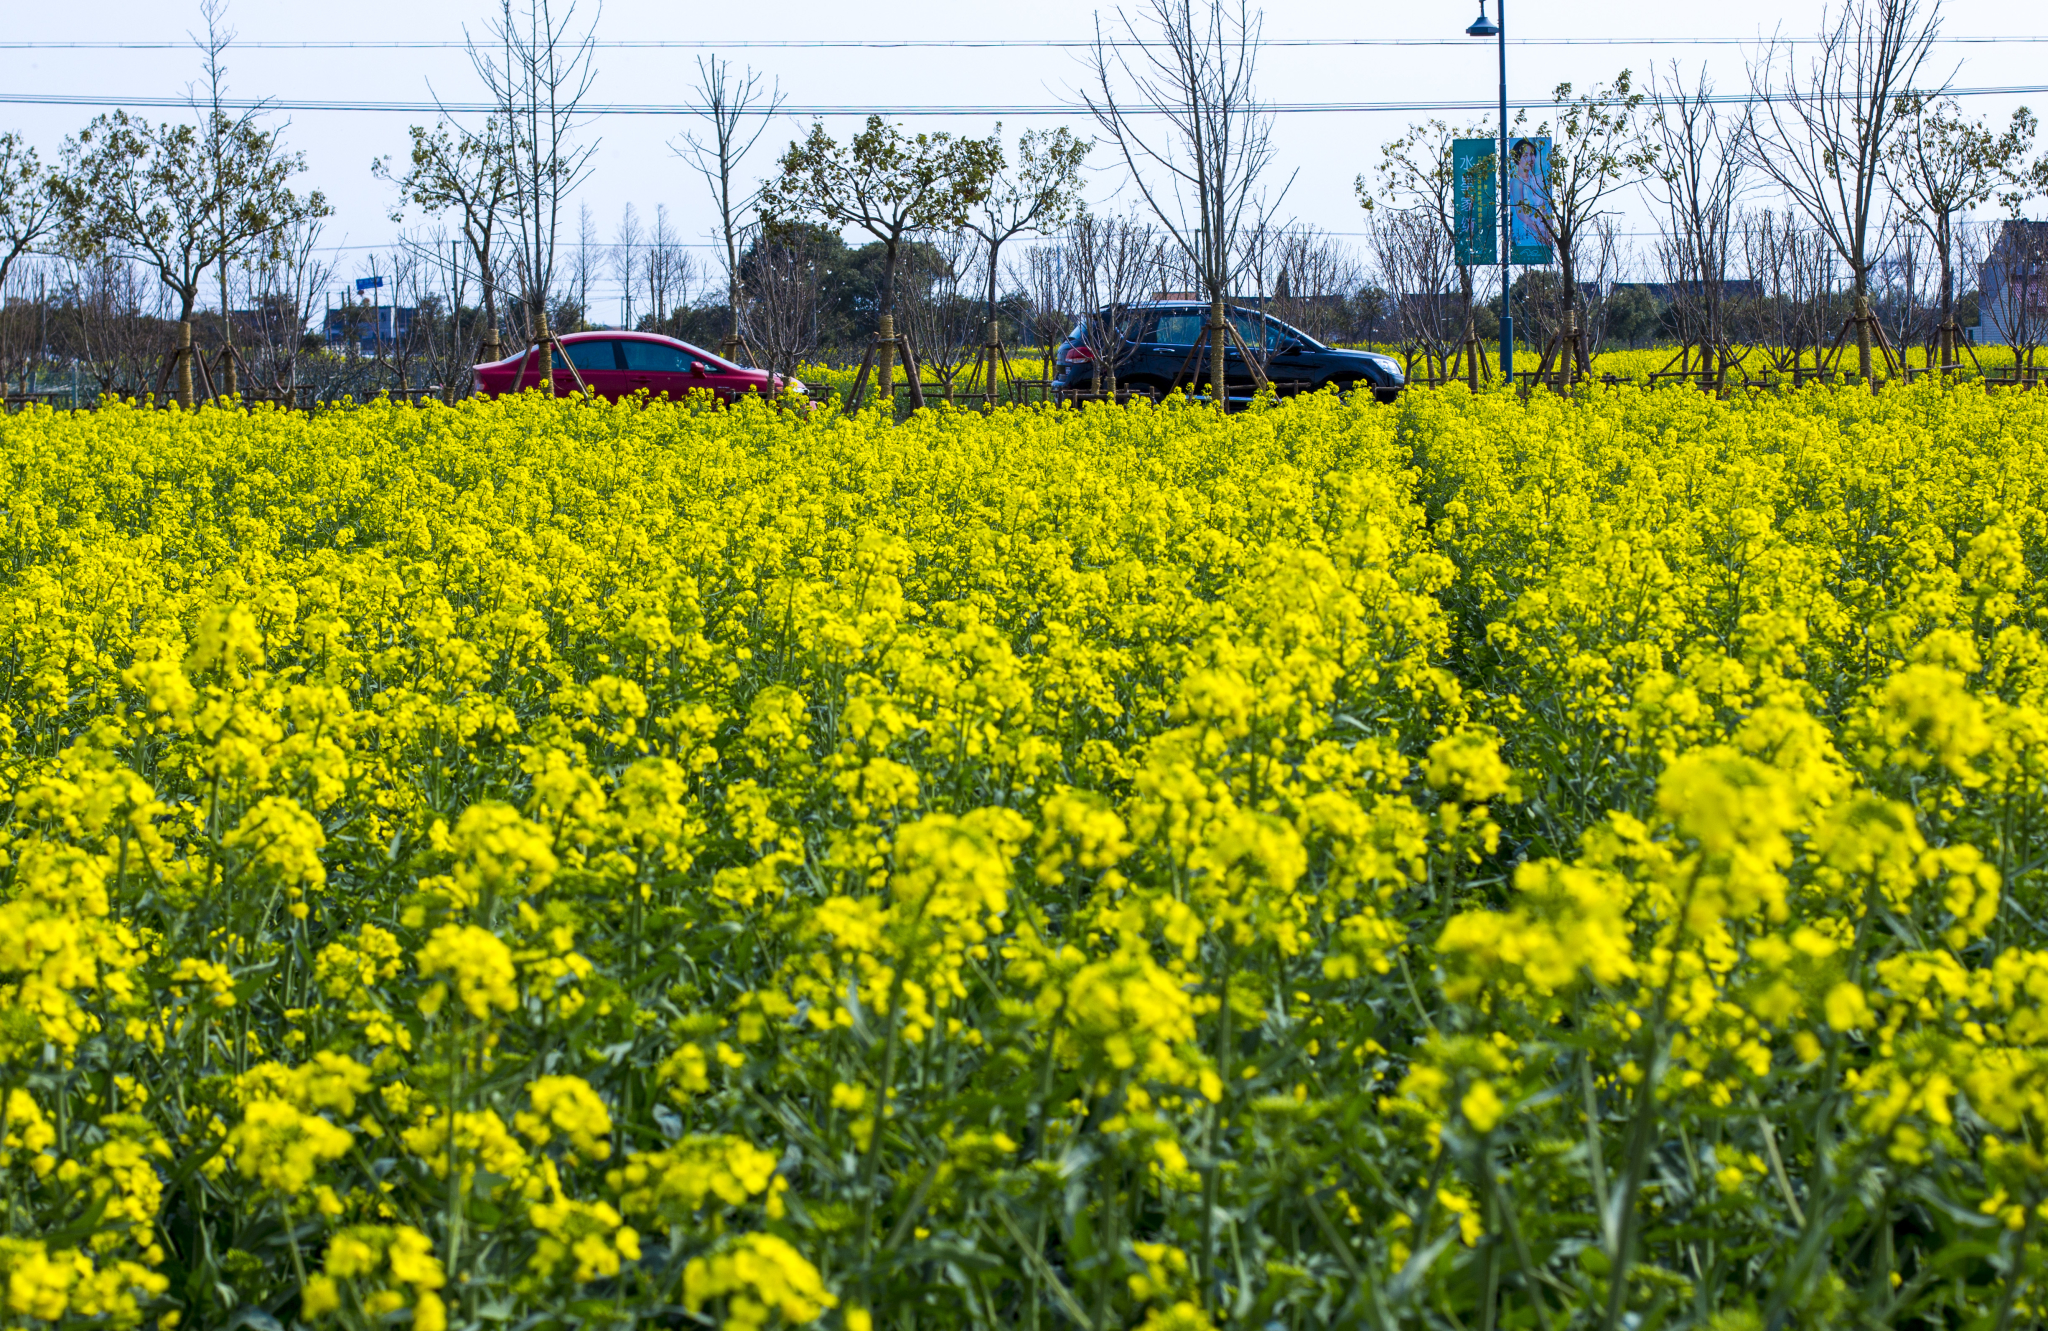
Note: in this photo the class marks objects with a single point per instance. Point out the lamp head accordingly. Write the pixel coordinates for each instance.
(1483, 26)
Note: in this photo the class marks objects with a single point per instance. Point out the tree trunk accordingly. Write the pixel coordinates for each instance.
(1862, 316)
(885, 348)
(184, 355)
(493, 349)
(995, 333)
(227, 332)
(1944, 339)
(1569, 273)
(732, 293)
(993, 247)
(546, 353)
(1218, 386)
(885, 326)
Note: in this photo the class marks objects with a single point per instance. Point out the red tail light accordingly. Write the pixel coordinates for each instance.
(1078, 355)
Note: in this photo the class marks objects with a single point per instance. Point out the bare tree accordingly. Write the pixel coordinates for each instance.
(281, 283)
(665, 269)
(1789, 272)
(538, 69)
(1111, 261)
(1698, 179)
(1900, 298)
(1051, 290)
(246, 167)
(781, 282)
(626, 262)
(1824, 128)
(25, 306)
(1185, 118)
(938, 304)
(2014, 289)
(1416, 259)
(583, 261)
(728, 102)
(1315, 277)
(120, 320)
(403, 341)
(1942, 166)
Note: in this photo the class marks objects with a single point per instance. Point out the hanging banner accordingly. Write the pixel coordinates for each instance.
(1529, 200)
(1474, 167)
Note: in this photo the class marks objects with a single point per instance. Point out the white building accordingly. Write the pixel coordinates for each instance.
(2012, 288)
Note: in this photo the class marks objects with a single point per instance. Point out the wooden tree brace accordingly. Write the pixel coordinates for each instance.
(860, 380)
(912, 370)
(1251, 362)
(547, 349)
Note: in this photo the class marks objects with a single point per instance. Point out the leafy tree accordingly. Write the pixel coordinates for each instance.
(1632, 316)
(28, 205)
(1033, 197)
(179, 198)
(1944, 166)
(1598, 148)
(469, 174)
(886, 183)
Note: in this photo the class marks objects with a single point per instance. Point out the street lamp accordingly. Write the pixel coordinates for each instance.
(1486, 27)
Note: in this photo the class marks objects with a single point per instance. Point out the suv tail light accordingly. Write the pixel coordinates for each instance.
(1078, 354)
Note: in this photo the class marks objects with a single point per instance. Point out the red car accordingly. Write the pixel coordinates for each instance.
(619, 364)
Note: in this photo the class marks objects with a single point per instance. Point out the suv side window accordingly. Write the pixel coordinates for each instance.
(1252, 328)
(1179, 330)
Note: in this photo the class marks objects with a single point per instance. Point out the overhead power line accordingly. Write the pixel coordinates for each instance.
(687, 108)
(936, 43)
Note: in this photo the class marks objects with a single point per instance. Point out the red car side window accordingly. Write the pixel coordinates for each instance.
(591, 355)
(654, 358)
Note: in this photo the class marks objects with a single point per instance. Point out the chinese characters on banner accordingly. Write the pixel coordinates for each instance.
(1475, 169)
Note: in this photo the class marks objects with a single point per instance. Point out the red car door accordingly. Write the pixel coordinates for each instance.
(728, 381)
(660, 367)
(597, 363)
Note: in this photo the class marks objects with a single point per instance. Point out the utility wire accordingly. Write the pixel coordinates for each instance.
(848, 109)
(944, 43)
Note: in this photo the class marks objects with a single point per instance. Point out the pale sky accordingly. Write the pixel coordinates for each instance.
(1323, 150)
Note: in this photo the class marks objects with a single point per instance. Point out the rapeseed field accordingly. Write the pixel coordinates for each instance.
(1466, 863)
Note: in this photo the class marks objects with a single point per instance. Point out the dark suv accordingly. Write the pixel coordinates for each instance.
(1158, 335)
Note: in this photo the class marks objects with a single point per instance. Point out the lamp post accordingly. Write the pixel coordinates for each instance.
(1485, 27)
